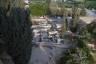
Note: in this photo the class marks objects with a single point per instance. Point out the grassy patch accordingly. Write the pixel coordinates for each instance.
(88, 3)
(79, 0)
(38, 9)
(91, 4)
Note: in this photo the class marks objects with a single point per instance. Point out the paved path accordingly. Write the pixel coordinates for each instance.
(90, 13)
(44, 53)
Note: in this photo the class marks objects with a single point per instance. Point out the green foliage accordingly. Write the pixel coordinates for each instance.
(79, 0)
(92, 28)
(15, 31)
(63, 27)
(55, 9)
(38, 9)
(78, 55)
(88, 31)
(67, 56)
(66, 4)
(75, 19)
(91, 4)
(83, 32)
(82, 45)
(88, 3)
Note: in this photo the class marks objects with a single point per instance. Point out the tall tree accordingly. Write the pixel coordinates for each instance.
(75, 17)
(15, 30)
(48, 6)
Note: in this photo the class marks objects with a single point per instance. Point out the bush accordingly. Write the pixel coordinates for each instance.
(89, 32)
(78, 55)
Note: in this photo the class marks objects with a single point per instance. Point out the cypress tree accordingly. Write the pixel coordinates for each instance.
(15, 30)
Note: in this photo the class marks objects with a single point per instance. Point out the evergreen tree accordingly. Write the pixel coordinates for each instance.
(75, 18)
(15, 28)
